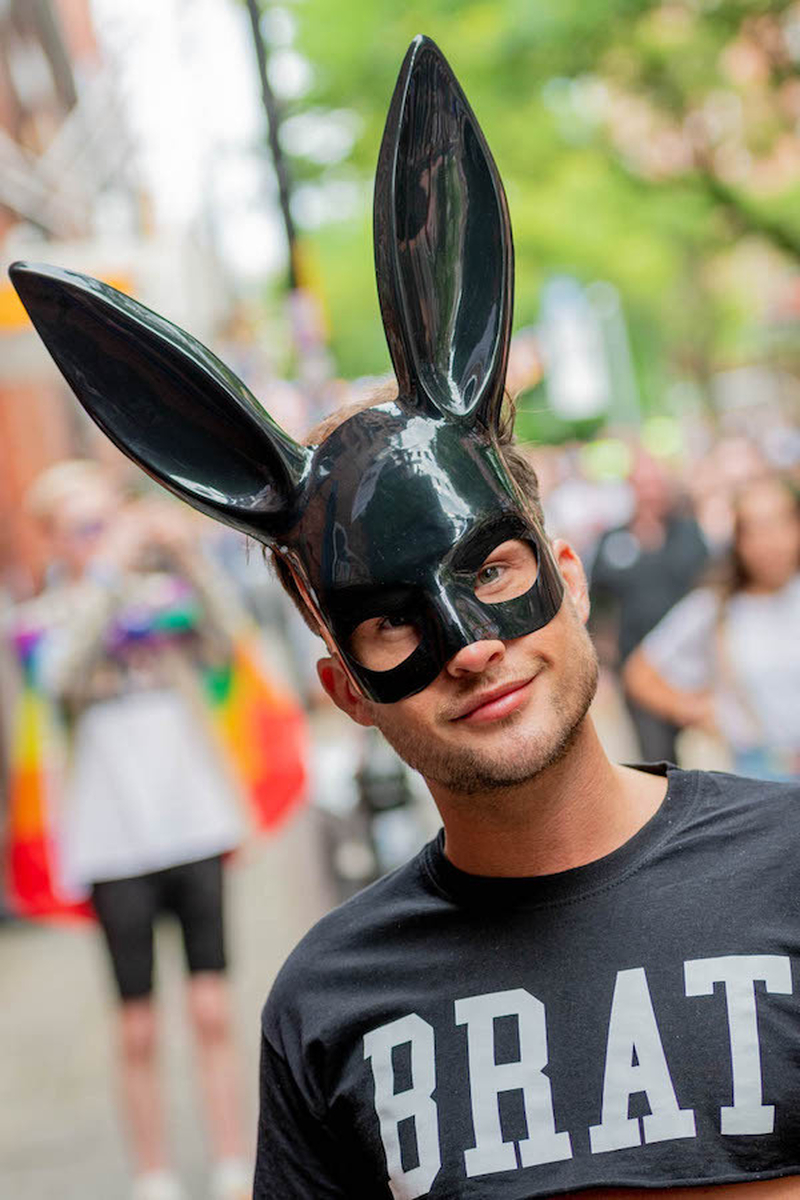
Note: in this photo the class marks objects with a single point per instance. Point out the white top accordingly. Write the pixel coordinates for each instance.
(749, 656)
(146, 786)
(145, 791)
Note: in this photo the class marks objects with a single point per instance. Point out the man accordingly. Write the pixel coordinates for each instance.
(586, 981)
(640, 570)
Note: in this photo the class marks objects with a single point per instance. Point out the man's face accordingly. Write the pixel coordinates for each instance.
(499, 712)
(401, 513)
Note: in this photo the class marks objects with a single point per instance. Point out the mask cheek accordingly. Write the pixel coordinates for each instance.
(412, 676)
(439, 638)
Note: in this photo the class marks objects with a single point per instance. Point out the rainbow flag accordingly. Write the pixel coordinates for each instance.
(35, 771)
(263, 732)
(259, 725)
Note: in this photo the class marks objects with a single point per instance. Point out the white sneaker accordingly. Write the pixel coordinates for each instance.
(231, 1179)
(157, 1185)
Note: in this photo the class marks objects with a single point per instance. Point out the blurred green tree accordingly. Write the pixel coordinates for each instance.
(653, 145)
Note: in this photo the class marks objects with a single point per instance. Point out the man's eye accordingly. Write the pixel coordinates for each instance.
(381, 643)
(509, 572)
(490, 573)
(395, 622)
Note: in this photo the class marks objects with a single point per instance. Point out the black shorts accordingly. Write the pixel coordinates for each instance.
(127, 911)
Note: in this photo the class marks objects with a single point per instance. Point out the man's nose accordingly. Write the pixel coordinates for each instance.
(476, 657)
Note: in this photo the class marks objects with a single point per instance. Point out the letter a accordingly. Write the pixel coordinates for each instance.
(633, 1030)
(415, 1102)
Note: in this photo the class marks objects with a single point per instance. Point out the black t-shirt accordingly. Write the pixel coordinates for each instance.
(630, 1022)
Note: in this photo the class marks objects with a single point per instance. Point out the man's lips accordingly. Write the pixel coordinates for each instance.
(495, 703)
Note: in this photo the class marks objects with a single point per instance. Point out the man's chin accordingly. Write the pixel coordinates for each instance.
(476, 772)
(470, 768)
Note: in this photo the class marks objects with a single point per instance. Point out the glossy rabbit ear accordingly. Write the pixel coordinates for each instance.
(166, 401)
(443, 250)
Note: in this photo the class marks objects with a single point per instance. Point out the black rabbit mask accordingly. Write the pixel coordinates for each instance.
(391, 517)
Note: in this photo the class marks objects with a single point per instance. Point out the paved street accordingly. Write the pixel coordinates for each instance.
(59, 1134)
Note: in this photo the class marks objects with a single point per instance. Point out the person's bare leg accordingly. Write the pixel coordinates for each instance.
(141, 1090)
(209, 1010)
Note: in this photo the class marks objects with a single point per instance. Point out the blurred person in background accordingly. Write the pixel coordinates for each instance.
(130, 608)
(639, 571)
(714, 481)
(726, 658)
(577, 507)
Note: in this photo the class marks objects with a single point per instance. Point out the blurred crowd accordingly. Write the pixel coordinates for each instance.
(714, 517)
(694, 568)
(693, 560)
(692, 549)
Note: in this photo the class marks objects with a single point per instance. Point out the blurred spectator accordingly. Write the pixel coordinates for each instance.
(577, 507)
(130, 610)
(639, 571)
(727, 658)
(714, 482)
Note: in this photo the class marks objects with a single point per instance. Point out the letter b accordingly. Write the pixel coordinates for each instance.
(414, 1102)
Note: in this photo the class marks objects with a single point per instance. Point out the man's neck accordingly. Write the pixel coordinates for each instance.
(574, 812)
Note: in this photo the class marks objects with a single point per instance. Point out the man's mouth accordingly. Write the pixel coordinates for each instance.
(496, 702)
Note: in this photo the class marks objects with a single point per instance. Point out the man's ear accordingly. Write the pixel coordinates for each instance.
(574, 577)
(336, 682)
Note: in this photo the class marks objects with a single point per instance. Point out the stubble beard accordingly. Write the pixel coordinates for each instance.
(467, 770)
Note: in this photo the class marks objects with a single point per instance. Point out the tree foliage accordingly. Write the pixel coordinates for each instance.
(642, 143)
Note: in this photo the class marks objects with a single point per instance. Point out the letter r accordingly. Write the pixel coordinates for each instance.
(488, 1078)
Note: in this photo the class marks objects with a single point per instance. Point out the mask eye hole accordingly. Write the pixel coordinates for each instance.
(381, 643)
(509, 571)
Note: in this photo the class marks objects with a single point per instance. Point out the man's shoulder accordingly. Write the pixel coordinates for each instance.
(758, 806)
(722, 817)
(364, 911)
(747, 790)
(348, 938)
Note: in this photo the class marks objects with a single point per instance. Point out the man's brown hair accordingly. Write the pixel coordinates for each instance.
(517, 464)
